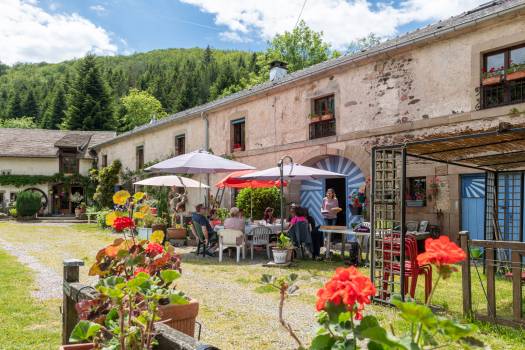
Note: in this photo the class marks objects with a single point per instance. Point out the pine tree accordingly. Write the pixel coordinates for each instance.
(90, 104)
(14, 105)
(55, 113)
(30, 108)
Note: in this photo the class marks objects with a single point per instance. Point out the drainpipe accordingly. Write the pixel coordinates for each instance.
(204, 116)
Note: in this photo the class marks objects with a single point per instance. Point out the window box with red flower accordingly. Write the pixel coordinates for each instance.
(515, 72)
(237, 147)
(492, 76)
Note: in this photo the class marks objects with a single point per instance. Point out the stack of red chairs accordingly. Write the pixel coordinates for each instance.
(392, 252)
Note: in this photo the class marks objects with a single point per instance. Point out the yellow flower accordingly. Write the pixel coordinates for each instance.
(157, 237)
(121, 197)
(145, 209)
(138, 215)
(110, 218)
(138, 196)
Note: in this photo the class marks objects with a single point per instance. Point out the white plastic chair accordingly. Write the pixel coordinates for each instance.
(232, 239)
(260, 236)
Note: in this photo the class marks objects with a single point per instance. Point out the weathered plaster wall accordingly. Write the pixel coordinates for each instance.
(30, 166)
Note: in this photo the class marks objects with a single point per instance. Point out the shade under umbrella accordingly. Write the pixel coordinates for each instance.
(198, 162)
(295, 172)
(171, 181)
(234, 180)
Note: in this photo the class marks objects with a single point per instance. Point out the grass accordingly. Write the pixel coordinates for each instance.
(25, 322)
(236, 311)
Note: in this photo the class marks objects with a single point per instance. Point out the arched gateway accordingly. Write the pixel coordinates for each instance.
(312, 191)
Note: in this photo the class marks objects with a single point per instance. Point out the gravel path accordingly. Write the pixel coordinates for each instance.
(49, 283)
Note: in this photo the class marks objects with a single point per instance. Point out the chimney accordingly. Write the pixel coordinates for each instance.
(277, 70)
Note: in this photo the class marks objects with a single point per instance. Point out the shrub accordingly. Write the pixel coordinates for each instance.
(101, 217)
(262, 198)
(106, 179)
(13, 212)
(28, 203)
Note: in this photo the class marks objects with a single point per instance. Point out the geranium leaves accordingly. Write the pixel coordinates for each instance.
(84, 331)
(169, 276)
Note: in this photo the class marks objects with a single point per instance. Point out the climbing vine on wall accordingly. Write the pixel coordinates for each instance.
(30, 180)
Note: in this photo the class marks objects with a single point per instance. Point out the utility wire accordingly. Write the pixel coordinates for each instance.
(300, 14)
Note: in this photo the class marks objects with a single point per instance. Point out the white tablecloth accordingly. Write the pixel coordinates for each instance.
(274, 227)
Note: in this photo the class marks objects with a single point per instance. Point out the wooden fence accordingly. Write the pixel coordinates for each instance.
(496, 254)
(168, 338)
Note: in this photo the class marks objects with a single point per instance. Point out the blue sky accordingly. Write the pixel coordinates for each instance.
(56, 30)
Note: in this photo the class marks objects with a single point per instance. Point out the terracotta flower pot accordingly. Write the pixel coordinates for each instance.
(327, 117)
(176, 233)
(87, 346)
(496, 79)
(180, 317)
(315, 119)
(516, 75)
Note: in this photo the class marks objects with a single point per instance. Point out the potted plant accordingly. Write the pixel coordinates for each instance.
(282, 252)
(516, 71)
(491, 77)
(177, 231)
(357, 201)
(144, 230)
(314, 118)
(133, 307)
(159, 224)
(76, 199)
(237, 147)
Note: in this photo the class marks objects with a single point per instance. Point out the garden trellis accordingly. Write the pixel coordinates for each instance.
(500, 154)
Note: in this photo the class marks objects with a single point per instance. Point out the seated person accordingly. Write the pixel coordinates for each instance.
(298, 215)
(235, 221)
(214, 218)
(268, 216)
(199, 216)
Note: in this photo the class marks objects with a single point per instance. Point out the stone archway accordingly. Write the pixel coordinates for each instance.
(44, 199)
(312, 191)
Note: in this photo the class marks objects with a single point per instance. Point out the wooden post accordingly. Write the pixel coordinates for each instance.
(466, 282)
(516, 285)
(491, 283)
(69, 314)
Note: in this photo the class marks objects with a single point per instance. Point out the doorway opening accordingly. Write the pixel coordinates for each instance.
(339, 187)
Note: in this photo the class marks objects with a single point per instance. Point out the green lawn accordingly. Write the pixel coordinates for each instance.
(236, 311)
(25, 323)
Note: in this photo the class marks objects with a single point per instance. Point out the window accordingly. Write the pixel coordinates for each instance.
(416, 192)
(104, 160)
(324, 105)
(238, 135)
(322, 118)
(2, 198)
(503, 77)
(68, 163)
(139, 154)
(180, 144)
(12, 196)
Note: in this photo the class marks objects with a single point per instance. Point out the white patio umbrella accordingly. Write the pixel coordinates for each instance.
(198, 162)
(171, 181)
(290, 172)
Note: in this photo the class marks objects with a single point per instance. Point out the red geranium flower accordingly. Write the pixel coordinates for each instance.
(442, 253)
(349, 287)
(154, 249)
(122, 223)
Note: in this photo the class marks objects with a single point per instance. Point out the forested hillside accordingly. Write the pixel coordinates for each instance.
(178, 78)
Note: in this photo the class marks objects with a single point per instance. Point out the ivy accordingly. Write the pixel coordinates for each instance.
(31, 180)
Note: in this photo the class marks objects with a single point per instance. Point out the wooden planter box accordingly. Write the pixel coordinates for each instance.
(180, 317)
(516, 75)
(176, 233)
(87, 346)
(327, 117)
(496, 79)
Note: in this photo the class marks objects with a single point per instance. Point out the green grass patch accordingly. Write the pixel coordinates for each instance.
(26, 323)
(265, 289)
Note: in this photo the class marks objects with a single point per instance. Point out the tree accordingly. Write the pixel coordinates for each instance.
(55, 113)
(257, 200)
(20, 123)
(105, 180)
(30, 108)
(14, 105)
(364, 43)
(139, 108)
(90, 104)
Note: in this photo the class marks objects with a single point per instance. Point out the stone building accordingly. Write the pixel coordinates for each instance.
(50, 162)
(426, 83)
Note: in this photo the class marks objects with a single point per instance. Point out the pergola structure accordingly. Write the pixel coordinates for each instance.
(495, 152)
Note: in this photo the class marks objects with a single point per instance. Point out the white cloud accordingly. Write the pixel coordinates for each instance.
(30, 34)
(341, 20)
(234, 37)
(98, 9)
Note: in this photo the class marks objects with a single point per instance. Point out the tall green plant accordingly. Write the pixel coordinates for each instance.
(28, 203)
(261, 198)
(106, 179)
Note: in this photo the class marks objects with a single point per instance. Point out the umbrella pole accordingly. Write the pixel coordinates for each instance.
(251, 205)
(281, 178)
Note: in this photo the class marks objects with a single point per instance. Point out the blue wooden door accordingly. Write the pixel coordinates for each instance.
(473, 205)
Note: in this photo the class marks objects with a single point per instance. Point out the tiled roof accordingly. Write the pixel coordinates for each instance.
(481, 13)
(43, 143)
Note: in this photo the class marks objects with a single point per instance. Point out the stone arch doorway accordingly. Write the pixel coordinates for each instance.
(312, 191)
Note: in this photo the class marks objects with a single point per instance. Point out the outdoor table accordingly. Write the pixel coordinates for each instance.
(276, 228)
(344, 232)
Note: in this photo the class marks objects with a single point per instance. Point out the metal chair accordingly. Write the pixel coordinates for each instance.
(196, 230)
(260, 236)
(232, 239)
